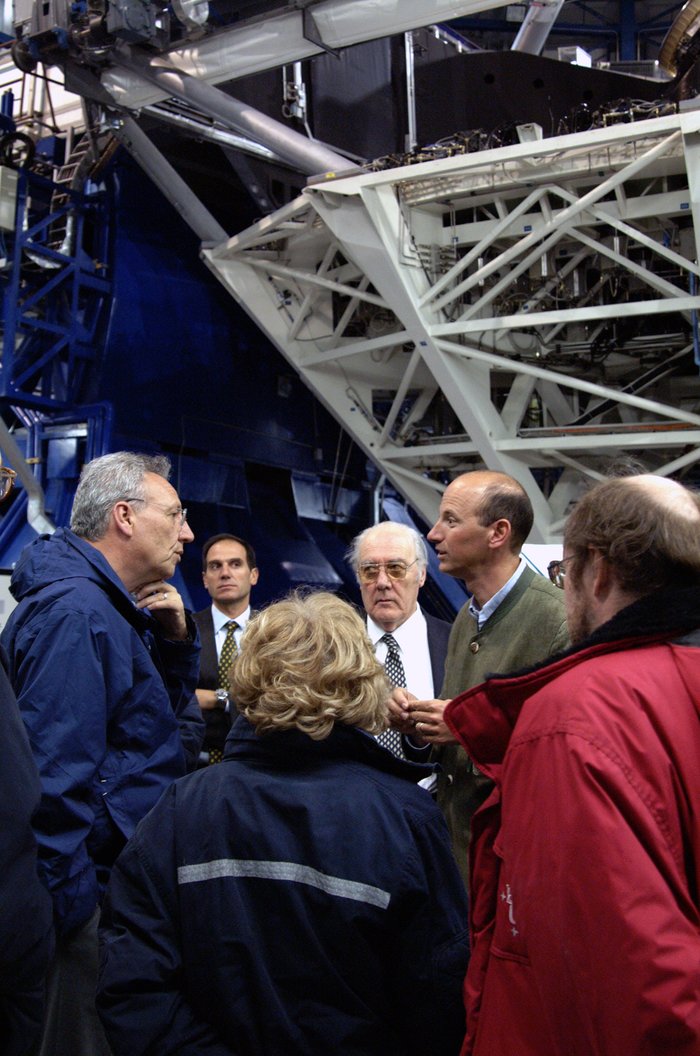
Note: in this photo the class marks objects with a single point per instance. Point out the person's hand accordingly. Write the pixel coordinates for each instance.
(399, 718)
(206, 698)
(166, 606)
(427, 719)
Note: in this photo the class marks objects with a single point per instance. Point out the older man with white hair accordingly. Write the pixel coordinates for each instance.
(390, 561)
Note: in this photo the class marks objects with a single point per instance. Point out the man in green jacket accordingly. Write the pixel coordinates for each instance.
(514, 619)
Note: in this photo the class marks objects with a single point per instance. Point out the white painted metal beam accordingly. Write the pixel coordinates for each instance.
(281, 38)
(522, 309)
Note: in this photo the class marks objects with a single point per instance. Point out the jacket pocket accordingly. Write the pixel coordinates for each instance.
(509, 938)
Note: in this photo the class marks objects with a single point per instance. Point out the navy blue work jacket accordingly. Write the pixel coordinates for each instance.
(299, 899)
(109, 707)
(26, 934)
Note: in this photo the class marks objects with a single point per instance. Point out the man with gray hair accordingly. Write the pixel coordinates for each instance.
(104, 663)
(390, 561)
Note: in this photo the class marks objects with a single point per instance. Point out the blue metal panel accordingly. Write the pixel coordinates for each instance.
(185, 366)
(628, 30)
(209, 482)
(324, 502)
(15, 533)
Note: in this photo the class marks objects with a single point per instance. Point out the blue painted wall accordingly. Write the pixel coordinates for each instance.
(188, 373)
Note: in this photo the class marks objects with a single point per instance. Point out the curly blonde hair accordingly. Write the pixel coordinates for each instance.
(308, 663)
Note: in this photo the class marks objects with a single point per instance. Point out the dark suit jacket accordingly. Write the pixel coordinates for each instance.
(218, 722)
(438, 637)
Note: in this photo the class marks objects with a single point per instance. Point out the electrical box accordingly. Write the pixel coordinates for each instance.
(8, 197)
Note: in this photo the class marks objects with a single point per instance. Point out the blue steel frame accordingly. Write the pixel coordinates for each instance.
(55, 301)
(56, 304)
(56, 446)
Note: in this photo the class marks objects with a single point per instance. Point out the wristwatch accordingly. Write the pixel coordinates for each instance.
(222, 699)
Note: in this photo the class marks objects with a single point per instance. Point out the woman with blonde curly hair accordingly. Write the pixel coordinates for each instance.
(301, 898)
(329, 674)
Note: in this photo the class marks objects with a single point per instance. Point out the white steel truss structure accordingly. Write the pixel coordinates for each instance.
(531, 309)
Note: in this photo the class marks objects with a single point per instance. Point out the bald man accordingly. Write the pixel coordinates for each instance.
(587, 921)
(514, 619)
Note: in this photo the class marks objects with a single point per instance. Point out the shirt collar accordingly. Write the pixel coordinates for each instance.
(481, 615)
(401, 634)
(220, 618)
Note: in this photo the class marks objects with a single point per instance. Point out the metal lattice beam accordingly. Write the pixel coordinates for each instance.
(532, 309)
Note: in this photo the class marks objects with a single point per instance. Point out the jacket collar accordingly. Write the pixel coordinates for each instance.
(102, 573)
(663, 615)
(292, 749)
(483, 718)
(511, 599)
(660, 615)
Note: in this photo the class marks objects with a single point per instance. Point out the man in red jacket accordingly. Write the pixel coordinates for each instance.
(585, 909)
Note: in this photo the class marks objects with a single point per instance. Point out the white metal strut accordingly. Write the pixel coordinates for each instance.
(531, 309)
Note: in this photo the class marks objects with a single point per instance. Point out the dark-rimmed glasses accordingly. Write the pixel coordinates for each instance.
(557, 571)
(369, 573)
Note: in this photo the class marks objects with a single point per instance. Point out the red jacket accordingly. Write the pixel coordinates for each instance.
(585, 860)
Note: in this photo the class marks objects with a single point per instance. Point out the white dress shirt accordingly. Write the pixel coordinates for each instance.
(412, 640)
(221, 619)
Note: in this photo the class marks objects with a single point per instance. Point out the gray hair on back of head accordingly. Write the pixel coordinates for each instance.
(104, 482)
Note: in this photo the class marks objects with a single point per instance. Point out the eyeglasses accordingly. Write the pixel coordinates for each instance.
(369, 573)
(177, 514)
(557, 572)
(7, 480)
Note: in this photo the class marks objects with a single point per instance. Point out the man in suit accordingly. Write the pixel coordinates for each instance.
(390, 561)
(229, 573)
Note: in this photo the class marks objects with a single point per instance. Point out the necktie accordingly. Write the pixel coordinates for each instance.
(391, 739)
(228, 652)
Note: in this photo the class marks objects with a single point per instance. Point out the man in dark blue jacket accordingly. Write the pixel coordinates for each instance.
(25, 907)
(26, 931)
(104, 662)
